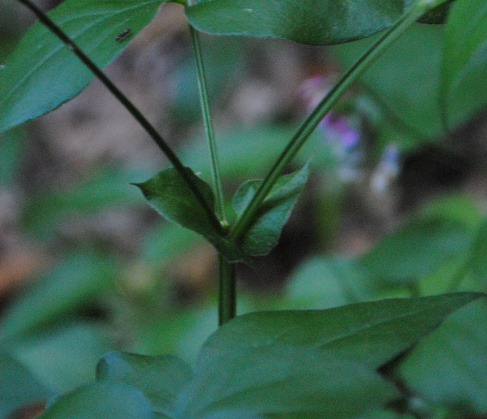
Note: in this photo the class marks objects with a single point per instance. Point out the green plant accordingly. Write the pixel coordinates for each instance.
(280, 363)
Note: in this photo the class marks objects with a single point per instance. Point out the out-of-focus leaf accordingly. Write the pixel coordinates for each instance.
(18, 386)
(106, 189)
(70, 286)
(64, 358)
(11, 147)
(478, 260)
(160, 378)
(104, 399)
(42, 74)
(264, 232)
(325, 283)
(372, 333)
(166, 242)
(171, 197)
(315, 22)
(449, 367)
(464, 67)
(281, 379)
(416, 250)
(406, 79)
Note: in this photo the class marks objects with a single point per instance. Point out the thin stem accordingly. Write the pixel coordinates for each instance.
(146, 125)
(208, 123)
(312, 121)
(227, 306)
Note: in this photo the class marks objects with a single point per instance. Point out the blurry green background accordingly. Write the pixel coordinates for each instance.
(87, 267)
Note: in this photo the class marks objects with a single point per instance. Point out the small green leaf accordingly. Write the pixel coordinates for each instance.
(18, 387)
(315, 22)
(42, 73)
(76, 281)
(105, 400)
(172, 198)
(160, 378)
(264, 233)
(281, 379)
(464, 67)
(449, 367)
(371, 333)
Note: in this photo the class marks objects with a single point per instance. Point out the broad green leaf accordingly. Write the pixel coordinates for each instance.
(171, 197)
(406, 78)
(464, 67)
(315, 22)
(42, 74)
(64, 358)
(323, 283)
(107, 400)
(264, 233)
(160, 378)
(108, 188)
(449, 367)
(18, 386)
(416, 250)
(77, 280)
(371, 333)
(281, 379)
(478, 261)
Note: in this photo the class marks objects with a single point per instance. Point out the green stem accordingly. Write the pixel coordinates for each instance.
(228, 294)
(146, 125)
(208, 123)
(303, 133)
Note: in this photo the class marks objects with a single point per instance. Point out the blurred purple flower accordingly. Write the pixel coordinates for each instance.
(337, 130)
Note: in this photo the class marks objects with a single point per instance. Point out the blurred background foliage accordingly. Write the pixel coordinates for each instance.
(86, 267)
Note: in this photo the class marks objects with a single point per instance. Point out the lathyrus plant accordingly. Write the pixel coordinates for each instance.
(326, 363)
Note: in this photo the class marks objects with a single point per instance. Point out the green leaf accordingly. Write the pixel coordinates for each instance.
(371, 333)
(18, 386)
(160, 378)
(171, 197)
(406, 78)
(416, 250)
(73, 283)
(464, 67)
(321, 283)
(42, 73)
(281, 379)
(107, 188)
(449, 367)
(264, 233)
(478, 261)
(64, 358)
(315, 22)
(106, 400)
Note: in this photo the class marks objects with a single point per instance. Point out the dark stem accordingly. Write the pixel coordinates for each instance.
(146, 125)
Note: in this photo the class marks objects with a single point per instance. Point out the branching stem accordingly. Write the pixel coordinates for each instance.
(146, 125)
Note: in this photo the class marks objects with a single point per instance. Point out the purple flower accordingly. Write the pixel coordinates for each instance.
(337, 130)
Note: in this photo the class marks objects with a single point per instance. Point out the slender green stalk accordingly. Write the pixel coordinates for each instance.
(227, 299)
(146, 125)
(303, 133)
(208, 123)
